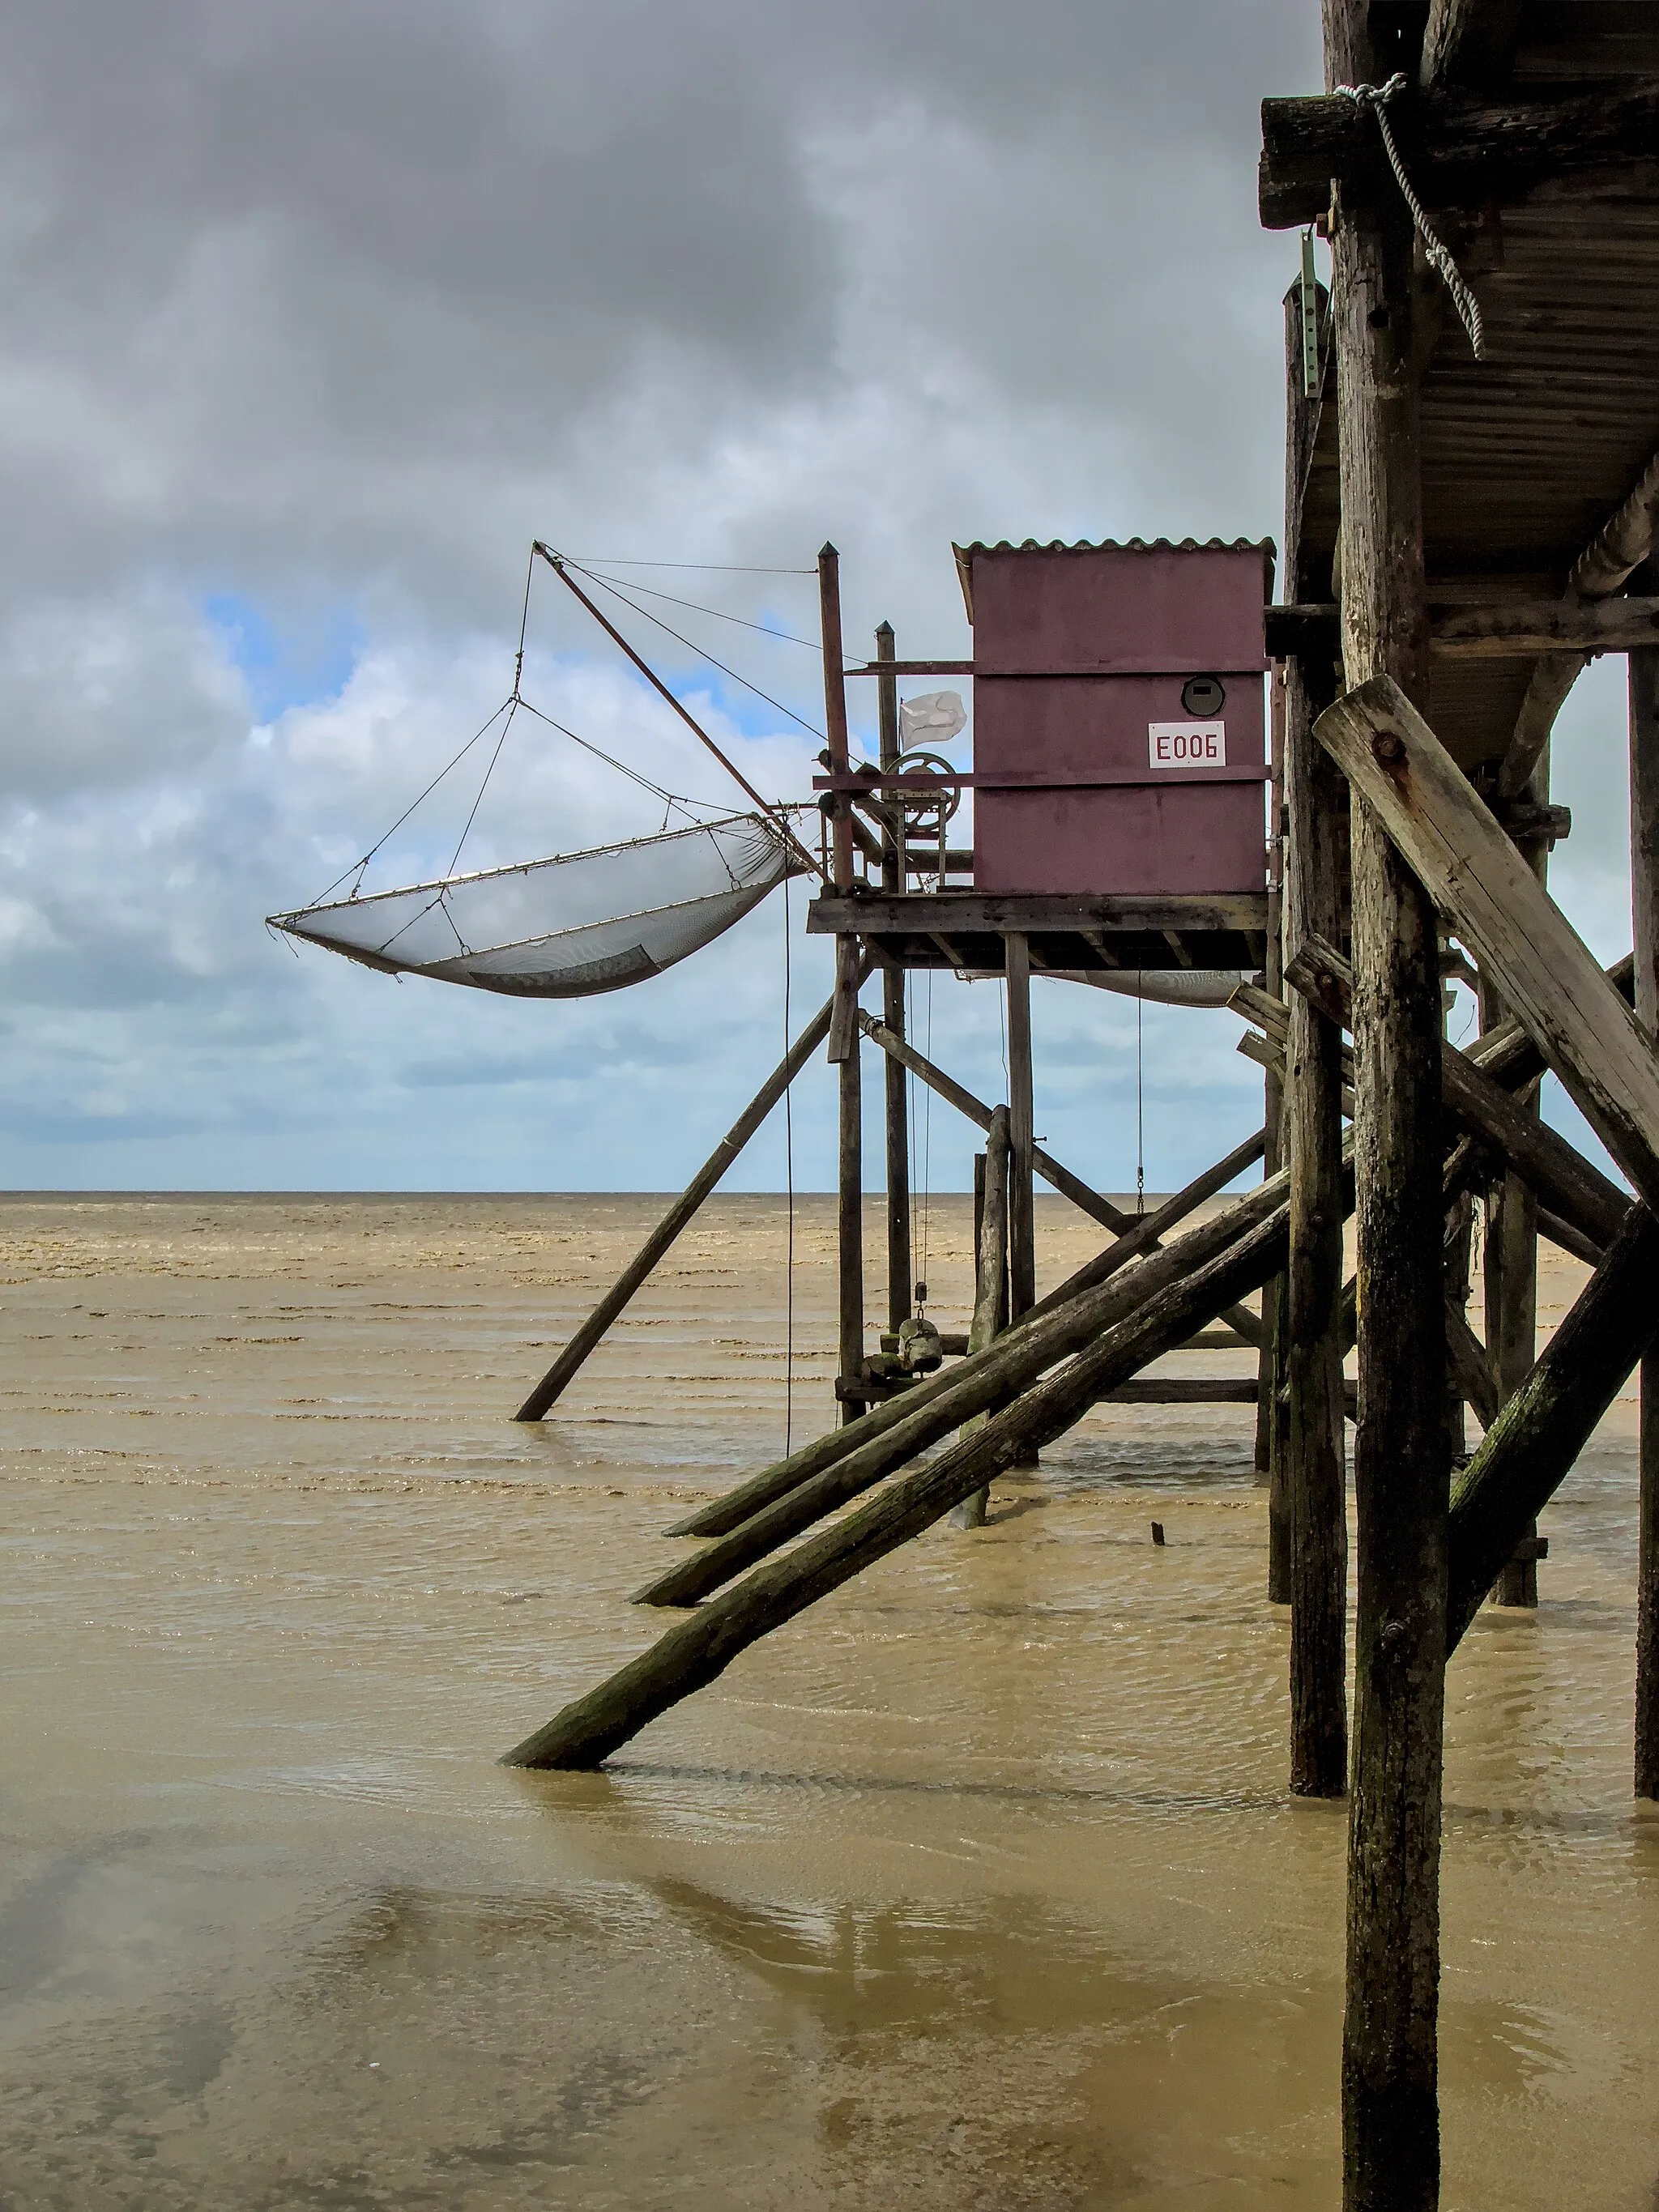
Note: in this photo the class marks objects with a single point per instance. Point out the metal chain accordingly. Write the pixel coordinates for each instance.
(1376, 98)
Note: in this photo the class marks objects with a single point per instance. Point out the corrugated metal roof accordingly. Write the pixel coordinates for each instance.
(965, 553)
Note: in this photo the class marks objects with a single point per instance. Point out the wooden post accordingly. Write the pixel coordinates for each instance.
(1272, 1407)
(1390, 2111)
(844, 1040)
(707, 1176)
(899, 1283)
(1022, 1220)
(990, 1275)
(1316, 1453)
(1645, 902)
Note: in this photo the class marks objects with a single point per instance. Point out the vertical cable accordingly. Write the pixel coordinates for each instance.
(789, 1185)
(1140, 1117)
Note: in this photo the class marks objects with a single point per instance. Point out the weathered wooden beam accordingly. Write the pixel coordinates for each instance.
(1645, 904)
(696, 1651)
(1504, 629)
(1573, 1187)
(1390, 2115)
(850, 1212)
(1606, 563)
(1471, 1369)
(1468, 42)
(1531, 1445)
(560, 1374)
(1538, 626)
(966, 912)
(1437, 821)
(1458, 152)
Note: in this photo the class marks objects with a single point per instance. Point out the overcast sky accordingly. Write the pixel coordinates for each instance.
(316, 314)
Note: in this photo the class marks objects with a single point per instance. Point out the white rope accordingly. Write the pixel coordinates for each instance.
(1376, 98)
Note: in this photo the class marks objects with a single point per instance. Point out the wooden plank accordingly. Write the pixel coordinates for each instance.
(1458, 152)
(1531, 626)
(1578, 1022)
(963, 913)
(698, 1649)
(1468, 42)
(571, 1358)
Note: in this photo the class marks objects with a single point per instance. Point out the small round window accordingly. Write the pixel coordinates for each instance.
(1203, 695)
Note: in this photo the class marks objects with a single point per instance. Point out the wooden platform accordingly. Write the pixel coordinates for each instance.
(967, 929)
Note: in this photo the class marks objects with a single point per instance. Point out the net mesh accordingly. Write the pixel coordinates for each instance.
(564, 927)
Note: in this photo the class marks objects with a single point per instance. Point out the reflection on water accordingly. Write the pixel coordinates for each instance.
(974, 1887)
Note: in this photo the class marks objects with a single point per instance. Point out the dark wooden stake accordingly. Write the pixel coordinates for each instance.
(1390, 2109)
(1644, 901)
(899, 1281)
(560, 1374)
(990, 1275)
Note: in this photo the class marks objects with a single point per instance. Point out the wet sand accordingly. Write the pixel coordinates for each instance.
(976, 1886)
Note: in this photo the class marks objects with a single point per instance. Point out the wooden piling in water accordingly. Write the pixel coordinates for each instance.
(1390, 2111)
(900, 1285)
(843, 1026)
(990, 1276)
(1645, 902)
(1022, 1217)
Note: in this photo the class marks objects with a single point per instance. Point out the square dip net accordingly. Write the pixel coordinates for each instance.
(568, 926)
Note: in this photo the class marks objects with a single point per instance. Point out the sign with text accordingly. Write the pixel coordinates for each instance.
(1187, 745)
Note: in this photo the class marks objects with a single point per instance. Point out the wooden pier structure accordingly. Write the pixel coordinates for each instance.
(1471, 501)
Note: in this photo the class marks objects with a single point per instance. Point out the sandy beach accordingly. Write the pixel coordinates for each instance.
(977, 1886)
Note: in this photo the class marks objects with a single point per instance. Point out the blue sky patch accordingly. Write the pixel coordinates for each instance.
(294, 662)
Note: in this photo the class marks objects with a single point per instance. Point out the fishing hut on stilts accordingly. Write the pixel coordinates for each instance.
(1472, 503)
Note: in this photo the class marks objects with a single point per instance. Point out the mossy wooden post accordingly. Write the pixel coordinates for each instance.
(1316, 1454)
(1272, 1407)
(892, 1009)
(1390, 2108)
(1645, 902)
(990, 1275)
(844, 1035)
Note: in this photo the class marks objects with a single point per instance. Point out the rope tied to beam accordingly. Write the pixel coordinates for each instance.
(1376, 97)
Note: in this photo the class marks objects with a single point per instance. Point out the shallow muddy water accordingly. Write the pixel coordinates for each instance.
(975, 1888)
